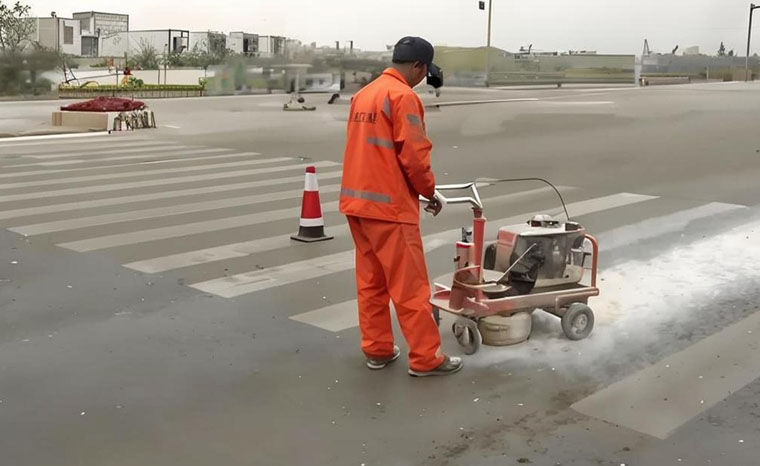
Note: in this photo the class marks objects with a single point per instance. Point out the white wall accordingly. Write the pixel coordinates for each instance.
(131, 42)
(235, 43)
(47, 28)
(76, 47)
(199, 40)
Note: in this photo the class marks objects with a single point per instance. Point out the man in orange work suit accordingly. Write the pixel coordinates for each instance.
(386, 168)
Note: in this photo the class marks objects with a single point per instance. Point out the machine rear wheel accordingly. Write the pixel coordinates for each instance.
(467, 334)
(578, 321)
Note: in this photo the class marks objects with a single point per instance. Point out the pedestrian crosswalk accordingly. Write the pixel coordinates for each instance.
(163, 207)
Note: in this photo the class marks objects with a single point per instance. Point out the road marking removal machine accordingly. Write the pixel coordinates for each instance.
(537, 265)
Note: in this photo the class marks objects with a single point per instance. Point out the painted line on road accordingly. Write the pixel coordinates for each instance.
(166, 182)
(246, 248)
(342, 316)
(659, 399)
(55, 137)
(132, 164)
(170, 154)
(220, 253)
(658, 226)
(580, 103)
(479, 102)
(92, 149)
(177, 231)
(333, 318)
(166, 171)
(80, 205)
(107, 219)
(257, 280)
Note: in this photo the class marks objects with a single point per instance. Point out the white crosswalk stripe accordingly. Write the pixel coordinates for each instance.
(91, 199)
(166, 171)
(344, 315)
(57, 139)
(177, 231)
(162, 182)
(221, 253)
(44, 153)
(82, 222)
(181, 193)
(174, 261)
(121, 165)
(257, 280)
(180, 153)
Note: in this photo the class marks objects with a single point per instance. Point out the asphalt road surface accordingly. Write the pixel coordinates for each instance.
(153, 310)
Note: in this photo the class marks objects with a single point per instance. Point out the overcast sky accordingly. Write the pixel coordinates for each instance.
(608, 26)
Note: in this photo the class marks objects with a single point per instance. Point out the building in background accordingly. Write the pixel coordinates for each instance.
(59, 34)
(272, 46)
(133, 42)
(208, 42)
(95, 25)
(243, 43)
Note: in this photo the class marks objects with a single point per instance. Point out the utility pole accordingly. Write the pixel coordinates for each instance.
(752, 8)
(488, 46)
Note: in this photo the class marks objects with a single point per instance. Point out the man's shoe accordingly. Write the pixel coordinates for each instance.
(380, 363)
(448, 366)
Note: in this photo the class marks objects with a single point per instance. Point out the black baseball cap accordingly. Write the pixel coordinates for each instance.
(411, 49)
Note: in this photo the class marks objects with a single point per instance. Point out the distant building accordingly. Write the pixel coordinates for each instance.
(208, 42)
(95, 25)
(243, 43)
(132, 42)
(691, 51)
(272, 46)
(59, 34)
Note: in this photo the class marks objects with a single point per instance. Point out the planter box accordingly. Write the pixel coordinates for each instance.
(86, 120)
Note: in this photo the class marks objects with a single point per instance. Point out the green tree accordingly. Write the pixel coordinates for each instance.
(16, 28)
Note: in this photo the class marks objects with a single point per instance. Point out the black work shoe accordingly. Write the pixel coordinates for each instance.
(448, 366)
(379, 363)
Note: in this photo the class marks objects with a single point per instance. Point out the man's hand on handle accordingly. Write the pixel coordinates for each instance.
(436, 204)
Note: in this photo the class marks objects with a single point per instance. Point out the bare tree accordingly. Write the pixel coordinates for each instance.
(16, 28)
(146, 57)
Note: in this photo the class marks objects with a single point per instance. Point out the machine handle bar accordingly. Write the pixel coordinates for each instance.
(473, 200)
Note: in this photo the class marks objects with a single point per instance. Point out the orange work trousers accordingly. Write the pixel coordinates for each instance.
(390, 265)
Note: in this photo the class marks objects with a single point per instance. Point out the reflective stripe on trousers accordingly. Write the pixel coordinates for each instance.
(366, 195)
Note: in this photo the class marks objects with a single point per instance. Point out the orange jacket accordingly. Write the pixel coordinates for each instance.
(387, 161)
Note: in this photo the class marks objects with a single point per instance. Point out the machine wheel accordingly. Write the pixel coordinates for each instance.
(578, 321)
(467, 334)
(437, 316)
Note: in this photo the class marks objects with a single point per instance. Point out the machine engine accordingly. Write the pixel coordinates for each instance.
(555, 254)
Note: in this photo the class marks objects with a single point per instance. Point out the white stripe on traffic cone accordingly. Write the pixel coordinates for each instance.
(311, 226)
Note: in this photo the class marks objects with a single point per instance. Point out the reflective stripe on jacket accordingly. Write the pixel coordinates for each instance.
(386, 165)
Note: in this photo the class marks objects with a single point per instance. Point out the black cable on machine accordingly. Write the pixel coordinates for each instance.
(510, 180)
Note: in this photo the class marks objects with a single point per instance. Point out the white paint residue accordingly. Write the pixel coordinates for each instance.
(638, 296)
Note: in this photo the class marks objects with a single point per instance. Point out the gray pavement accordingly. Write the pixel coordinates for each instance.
(148, 287)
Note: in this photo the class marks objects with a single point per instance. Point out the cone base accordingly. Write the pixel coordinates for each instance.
(306, 239)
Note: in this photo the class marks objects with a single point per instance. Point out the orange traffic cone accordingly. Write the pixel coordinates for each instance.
(311, 227)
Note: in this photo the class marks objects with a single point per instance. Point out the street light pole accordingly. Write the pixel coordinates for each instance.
(488, 46)
(752, 8)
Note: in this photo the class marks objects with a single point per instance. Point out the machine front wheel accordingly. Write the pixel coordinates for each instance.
(578, 321)
(467, 334)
